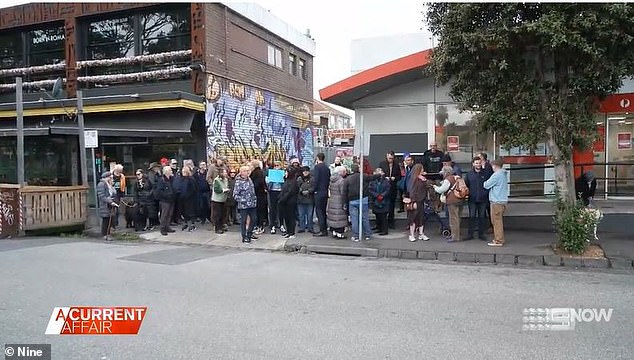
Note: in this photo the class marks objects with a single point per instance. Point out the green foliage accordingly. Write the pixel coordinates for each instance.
(533, 71)
(126, 236)
(574, 225)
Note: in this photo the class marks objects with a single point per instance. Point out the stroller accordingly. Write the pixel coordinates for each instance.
(432, 207)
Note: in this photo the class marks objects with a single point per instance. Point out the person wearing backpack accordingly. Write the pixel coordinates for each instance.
(452, 199)
(478, 199)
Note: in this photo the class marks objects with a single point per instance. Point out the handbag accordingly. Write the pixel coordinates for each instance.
(409, 205)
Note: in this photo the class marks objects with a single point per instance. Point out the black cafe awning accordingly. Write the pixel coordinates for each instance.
(146, 124)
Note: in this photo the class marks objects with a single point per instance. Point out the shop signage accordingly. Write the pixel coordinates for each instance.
(624, 141)
(91, 139)
(453, 143)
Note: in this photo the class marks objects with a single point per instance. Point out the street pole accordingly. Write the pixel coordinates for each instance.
(361, 138)
(20, 129)
(82, 140)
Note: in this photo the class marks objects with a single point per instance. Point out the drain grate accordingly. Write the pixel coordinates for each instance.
(177, 256)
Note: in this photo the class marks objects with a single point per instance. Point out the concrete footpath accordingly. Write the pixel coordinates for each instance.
(523, 247)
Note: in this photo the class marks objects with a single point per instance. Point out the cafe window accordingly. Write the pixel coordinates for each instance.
(164, 31)
(46, 46)
(111, 38)
(11, 50)
(458, 134)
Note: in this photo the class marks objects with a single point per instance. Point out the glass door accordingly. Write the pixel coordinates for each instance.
(620, 154)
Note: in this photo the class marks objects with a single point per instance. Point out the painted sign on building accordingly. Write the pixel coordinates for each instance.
(246, 123)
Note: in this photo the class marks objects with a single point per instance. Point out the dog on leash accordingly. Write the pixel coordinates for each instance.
(596, 215)
(130, 212)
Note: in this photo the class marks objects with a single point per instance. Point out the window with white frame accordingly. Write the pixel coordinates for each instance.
(275, 56)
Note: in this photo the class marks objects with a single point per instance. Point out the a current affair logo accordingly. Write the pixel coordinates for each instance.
(96, 320)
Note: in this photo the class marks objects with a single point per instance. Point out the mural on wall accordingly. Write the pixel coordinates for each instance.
(246, 123)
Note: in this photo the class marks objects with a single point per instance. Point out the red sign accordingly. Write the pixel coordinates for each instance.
(618, 103)
(453, 143)
(624, 141)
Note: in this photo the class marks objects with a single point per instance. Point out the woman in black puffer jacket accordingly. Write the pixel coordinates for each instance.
(187, 197)
(144, 200)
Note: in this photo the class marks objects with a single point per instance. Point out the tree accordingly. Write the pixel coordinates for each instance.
(534, 71)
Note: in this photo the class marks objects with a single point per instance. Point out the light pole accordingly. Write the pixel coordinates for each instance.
(20, 129)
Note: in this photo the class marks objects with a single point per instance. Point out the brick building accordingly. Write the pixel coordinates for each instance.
(175, 80)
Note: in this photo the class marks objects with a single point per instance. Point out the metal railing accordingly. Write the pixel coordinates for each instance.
(533, 180)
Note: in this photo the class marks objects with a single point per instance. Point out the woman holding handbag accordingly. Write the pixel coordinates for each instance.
(417, 189)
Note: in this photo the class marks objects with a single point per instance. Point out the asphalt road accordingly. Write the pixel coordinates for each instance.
(224, 304)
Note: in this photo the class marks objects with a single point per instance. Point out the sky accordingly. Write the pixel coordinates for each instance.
(335, 23)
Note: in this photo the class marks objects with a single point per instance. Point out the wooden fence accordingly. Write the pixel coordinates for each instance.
(53, 206)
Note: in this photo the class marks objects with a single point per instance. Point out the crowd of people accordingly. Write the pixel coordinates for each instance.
(284, 199)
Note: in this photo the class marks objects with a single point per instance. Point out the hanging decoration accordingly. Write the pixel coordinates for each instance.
(31, 85)
(141, 59)
(138, 76)
(32, 70)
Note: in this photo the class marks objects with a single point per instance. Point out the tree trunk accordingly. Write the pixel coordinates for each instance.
(564, 170)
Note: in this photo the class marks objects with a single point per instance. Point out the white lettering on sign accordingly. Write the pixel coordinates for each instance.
(625, 103)
(47, 38)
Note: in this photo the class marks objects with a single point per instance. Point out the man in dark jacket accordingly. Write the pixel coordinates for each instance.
(478, 199)
(321, 181)
(393, 173)
(166, 196)
(585, 187)
(305, 202)
(432, 162)
(259, 183)
(204, 212)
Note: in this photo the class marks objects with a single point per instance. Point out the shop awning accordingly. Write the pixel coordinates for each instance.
(146, 124)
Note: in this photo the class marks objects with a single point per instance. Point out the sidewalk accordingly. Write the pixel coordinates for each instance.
(521, 248)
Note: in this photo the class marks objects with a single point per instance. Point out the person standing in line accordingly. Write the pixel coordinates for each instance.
(451, 201)
(305, 202)
(259, 182)
(321, 178)
(275, 215)
(288, 201)
(478, 199)
(380, 200)
(334, 165)
(414, 203)
(144, 200)
(392, 172)
(498, 197)
(488, 171)
(119, 184)
(187, 198)
(220, 191)
(154, 175)
(106, 194)
(203, 193)
(337, 209)
(353, 195)
(231, 212)
(246, 202)
(408, 163)
(166, 196)
(176, 184)
(432, 162)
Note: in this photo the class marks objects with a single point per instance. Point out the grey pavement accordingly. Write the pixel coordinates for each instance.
(525, 247)
(216, 303)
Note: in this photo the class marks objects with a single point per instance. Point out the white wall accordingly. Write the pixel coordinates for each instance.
(414, 93)
(369, 52)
